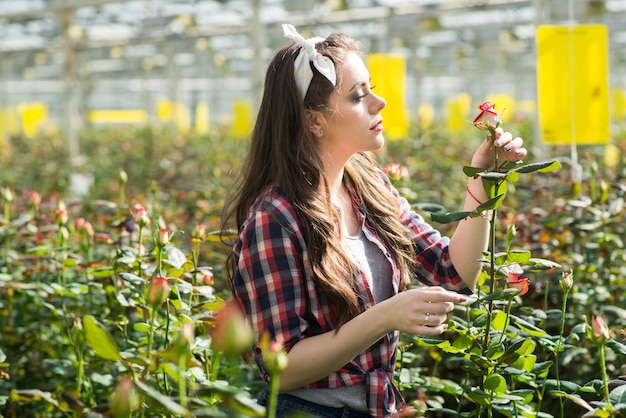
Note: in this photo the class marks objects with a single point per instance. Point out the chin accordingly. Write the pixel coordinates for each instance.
(380, 143)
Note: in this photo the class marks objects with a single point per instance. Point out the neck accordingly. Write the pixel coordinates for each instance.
(333, 171)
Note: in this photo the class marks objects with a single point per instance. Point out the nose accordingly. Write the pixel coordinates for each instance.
(378, 103)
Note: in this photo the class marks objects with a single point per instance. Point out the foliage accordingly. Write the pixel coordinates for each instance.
(82, 333)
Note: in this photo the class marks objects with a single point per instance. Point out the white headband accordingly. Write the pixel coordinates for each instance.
(308, 53)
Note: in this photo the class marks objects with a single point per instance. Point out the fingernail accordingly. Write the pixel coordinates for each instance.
(463, 300)
(508, 148)
(498, 142)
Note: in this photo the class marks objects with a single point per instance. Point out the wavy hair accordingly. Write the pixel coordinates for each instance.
(283, 153)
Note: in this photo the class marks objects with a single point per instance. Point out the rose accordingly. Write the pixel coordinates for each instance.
(566, 281)
(199, 233)
(274, 357)
(159, 290)
(123, 177)
(487, 118)
(232, 333)
(7, 194)
(84, 227)
(141, 216)
(207, 277)
(34, 199)
(164, 237)
(599, 330)
(517, 281)
(396, 172)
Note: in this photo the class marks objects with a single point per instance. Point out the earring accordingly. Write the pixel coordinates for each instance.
(320, 132)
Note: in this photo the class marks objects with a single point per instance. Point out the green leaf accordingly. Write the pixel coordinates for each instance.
(527, 395)
(492, 175)
(525, 362)
(32, 395)
(141, 327)
(502, 294)
(175, 257)
(100, 340)
(574, 398)
(518, 256)
(103, 272)
(472, 171)
(542, 167)
(449, 217)
(542, 369)
(428, 207)
(617, 347)
(492, 203)
(163, 400)
(512, 353)
(133, 278)
(476, 395)
(500, 321)
(618, 395)
(528, 327)
(540, 264)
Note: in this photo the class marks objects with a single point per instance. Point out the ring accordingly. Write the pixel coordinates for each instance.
(426, 318)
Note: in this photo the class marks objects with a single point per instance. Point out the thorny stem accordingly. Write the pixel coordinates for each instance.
(605, 380)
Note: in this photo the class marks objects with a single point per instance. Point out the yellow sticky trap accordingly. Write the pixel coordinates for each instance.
(164, 110)
(242, 123)
(425, 115)
(388, 73)
(202, 118)
(183, 119)
(612, 156)
(619, 103)
(572, 84)
(457, 110)
(32, 115)
(112, 116)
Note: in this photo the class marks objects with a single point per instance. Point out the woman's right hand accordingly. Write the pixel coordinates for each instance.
(422, 311)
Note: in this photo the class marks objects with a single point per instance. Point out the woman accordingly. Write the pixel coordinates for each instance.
(327, 248)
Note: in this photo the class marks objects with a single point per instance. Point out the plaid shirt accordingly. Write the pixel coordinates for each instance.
(274, 285)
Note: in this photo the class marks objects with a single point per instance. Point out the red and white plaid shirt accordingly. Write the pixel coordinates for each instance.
(275, 287)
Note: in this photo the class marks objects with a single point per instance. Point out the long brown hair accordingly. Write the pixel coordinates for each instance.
(283, 153)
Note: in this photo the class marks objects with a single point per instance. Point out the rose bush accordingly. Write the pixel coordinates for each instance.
(80, 335)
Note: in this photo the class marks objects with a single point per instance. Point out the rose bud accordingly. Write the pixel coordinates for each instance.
(487, 118)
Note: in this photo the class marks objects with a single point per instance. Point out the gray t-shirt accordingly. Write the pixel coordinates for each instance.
(377, 270)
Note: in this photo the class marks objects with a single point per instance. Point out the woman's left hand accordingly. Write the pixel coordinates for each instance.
(509, 148)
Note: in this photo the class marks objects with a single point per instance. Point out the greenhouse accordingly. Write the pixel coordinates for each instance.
(134, 281)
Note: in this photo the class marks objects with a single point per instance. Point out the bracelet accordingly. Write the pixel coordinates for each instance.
(472, 195)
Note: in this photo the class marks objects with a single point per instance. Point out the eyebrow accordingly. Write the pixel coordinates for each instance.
(358, 83)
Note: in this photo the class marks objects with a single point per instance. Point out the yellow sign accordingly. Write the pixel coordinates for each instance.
(202, 118)
(619, 103)
(106, 116)
(32, 116)
(457, 109)
(388, 73)
(242, 122)
(572, 84)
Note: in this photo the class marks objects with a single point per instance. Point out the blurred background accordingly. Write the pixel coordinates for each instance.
(196, 66)
(67, 63)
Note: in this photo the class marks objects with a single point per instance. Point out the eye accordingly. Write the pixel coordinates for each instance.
(360, 97)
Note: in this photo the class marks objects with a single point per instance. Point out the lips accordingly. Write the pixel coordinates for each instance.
(377, 127)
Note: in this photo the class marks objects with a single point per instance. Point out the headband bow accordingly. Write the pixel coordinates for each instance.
(308, 53)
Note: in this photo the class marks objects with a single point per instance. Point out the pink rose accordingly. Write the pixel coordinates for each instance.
(599, 330)
(487, 118)
(517, 281)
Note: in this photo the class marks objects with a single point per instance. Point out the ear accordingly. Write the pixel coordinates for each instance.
(315, 123)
